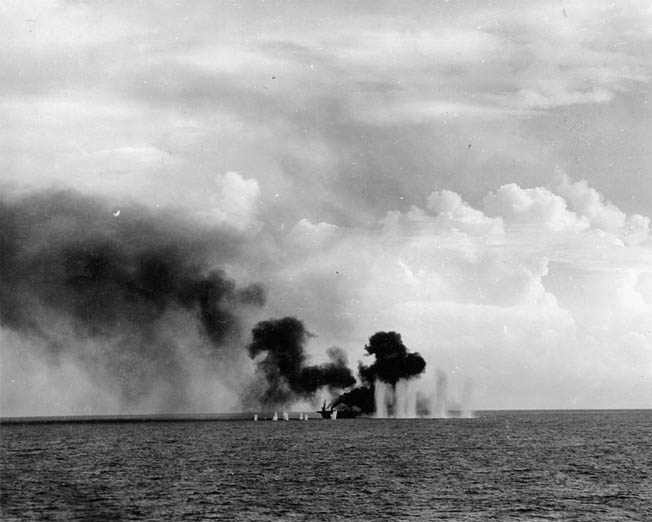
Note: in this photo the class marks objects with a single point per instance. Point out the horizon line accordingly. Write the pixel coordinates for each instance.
(246, 415)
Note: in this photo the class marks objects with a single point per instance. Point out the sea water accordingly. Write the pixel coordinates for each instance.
(588, 466)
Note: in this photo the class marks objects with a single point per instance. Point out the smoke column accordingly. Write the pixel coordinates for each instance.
(283, 376)
(438, 409)
(394, 366)
(133, 298)
(393, 361)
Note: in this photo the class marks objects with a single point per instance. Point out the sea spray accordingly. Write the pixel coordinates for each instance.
(405, 399)
(438, 407)
(381, 392)
(392, 363)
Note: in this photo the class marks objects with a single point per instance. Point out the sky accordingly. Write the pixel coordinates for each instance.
(474, 175)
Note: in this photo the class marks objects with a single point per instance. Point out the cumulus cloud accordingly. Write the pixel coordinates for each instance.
(537, 317)
(601, 214)
(452, 211)
(234, 203)
(532, 301)
(311, 235)
(536, 206)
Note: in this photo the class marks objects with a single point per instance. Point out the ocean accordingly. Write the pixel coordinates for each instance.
(546, 465)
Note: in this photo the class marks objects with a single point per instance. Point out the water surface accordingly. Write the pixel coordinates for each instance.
(585, 466)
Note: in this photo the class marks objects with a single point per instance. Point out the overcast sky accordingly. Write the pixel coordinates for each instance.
(474, 175)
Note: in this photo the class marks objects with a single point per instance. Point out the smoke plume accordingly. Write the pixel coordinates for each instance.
(393, 363)
(283, 371)
(393, 360)
(110, 286)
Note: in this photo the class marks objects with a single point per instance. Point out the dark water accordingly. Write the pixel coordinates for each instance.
(589, 466)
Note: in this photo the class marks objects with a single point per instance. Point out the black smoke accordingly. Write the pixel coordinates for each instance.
(360, 399)
(73, 269)
(285, 377)
(393, 361)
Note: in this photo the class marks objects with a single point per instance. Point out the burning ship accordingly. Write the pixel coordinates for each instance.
(342, 412)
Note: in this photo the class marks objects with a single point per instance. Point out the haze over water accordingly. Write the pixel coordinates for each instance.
(573, 465)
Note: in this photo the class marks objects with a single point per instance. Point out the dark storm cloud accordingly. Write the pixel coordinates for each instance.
(70, 263)
(286, 378)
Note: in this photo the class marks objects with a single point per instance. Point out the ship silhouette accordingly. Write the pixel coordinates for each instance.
(344, 412)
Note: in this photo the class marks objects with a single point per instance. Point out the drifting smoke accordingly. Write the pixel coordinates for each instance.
(285, 378)
(102, 286)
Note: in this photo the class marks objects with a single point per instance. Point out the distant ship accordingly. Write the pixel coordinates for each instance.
(340, 413)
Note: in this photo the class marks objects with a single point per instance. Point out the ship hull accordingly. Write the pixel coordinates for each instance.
(341, 414)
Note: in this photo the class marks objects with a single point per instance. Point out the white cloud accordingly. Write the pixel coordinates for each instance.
(234, 203)
(452, 211)
(589, 203)
(532, 206)
(309, 235)
(497, 304)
